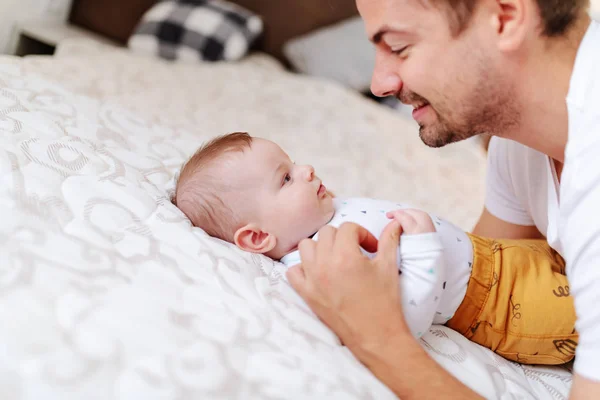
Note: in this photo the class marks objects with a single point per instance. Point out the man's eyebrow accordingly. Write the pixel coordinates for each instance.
(376, 38)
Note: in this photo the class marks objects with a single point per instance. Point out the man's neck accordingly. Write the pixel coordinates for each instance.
(543, 91)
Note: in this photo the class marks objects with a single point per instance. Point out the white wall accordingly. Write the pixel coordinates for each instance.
(12, 11)
(595, 9)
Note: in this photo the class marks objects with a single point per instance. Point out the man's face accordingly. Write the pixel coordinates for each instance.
(454, 81)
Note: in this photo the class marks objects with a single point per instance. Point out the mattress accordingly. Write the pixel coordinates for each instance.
(108, 292)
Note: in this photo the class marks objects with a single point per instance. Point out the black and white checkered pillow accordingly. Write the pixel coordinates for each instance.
(192, 30)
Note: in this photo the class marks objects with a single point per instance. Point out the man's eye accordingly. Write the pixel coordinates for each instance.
(399, 51)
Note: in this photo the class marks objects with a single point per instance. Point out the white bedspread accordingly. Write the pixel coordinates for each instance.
(107, 292)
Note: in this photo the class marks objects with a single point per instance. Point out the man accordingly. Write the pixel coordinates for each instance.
(524, 71)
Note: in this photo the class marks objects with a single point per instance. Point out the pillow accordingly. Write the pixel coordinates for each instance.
(193, 30)
(341, 52)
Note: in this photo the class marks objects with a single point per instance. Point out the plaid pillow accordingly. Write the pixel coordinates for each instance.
(193, 30)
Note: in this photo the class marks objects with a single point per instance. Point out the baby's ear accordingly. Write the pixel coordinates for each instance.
(251, 238)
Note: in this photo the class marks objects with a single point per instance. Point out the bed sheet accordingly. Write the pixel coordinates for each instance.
(107, 291)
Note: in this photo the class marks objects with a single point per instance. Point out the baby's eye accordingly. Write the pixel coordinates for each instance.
(287, 178)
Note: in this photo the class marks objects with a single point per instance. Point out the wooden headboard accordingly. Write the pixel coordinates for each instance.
(283, 19)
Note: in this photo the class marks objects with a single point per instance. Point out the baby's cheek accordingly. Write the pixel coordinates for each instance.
(307, 213)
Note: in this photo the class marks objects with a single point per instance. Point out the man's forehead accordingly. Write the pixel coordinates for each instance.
(394, 14)
(393, 3)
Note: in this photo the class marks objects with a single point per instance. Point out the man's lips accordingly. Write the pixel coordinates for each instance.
(419, 111)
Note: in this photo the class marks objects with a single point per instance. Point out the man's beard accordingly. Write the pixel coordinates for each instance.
(488, 113)
(443, 132)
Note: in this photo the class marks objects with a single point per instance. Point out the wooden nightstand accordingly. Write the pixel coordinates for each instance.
(42, 37)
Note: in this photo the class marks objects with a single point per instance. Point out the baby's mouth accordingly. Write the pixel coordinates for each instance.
(322, 190)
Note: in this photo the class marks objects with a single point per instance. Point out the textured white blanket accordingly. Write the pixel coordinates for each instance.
(107, 292)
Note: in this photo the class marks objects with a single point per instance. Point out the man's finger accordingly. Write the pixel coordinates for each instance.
(297, 279)
(325, 241)
(389, 242)
(350, 233)
(308, 254)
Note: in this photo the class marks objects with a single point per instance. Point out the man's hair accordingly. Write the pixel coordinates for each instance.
(557, 15)
(200, 191)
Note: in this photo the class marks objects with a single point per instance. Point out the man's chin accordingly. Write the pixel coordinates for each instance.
(436, 139)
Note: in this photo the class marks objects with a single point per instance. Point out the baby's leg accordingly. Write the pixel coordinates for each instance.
(518, 303)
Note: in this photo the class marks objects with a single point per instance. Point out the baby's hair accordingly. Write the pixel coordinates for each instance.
(199, 192)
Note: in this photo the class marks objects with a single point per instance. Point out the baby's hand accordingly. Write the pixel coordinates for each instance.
(413, 222)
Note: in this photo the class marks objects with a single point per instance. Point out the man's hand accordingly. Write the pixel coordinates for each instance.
(358, 298)
(355, 296)
(413, 222)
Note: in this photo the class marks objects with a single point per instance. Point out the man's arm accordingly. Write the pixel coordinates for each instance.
(404, 367)
(493, 227)
(502, 203)
(584, 389)
(335, 278)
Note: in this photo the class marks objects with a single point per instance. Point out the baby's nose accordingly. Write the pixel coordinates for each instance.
(310, 172)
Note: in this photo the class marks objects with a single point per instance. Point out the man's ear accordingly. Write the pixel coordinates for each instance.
(512, 21)
(253, 239)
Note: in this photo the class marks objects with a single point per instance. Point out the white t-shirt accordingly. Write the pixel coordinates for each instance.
(522, 188)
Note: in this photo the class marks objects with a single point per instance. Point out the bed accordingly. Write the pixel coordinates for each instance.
(108, 292)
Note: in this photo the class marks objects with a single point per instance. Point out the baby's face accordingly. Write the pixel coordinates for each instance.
(291, 201)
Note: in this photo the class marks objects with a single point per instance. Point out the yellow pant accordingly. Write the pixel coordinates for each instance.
(517, 302)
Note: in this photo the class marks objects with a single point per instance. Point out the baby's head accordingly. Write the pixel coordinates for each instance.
(247, 191)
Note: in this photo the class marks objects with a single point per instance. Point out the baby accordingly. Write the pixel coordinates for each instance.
(511, 296)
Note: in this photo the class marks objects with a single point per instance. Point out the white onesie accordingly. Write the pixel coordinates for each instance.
(434, 267)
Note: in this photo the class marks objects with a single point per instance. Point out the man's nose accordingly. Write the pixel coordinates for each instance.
(385, 80)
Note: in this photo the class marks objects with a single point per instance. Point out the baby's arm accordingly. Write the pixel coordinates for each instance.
(422, 268)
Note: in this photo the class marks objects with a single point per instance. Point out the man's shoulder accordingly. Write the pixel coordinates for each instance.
(584, 87)
(583, 100)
